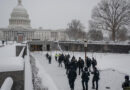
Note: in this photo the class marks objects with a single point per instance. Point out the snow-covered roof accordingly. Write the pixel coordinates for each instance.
(11, 64)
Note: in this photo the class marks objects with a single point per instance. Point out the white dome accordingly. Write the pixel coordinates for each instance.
(19, 9)
(19, 17)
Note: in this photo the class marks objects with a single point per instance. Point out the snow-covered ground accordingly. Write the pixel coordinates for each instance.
(113, 68)
(8, 59)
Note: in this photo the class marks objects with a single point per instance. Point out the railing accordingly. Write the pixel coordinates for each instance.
(28, 85)
(7, 85)
(22, 52)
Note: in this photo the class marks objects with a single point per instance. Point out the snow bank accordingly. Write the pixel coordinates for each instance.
(7, 85)
(11, 64)
(46, 79)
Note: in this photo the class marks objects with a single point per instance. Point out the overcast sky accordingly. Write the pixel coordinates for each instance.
(50, 14)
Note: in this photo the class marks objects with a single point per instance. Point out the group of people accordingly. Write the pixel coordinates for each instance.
(82, 66)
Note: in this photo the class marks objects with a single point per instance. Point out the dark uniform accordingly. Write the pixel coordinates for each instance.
(85, 79)
(49, 57)
(71, 77)
(80, 64)
(94, 63)
(60, 60)
(126, 83)
(95, 78)
(88, 62)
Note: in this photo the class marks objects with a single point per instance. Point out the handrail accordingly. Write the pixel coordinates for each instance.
(28, 85)
(7, 85)
(22, 52)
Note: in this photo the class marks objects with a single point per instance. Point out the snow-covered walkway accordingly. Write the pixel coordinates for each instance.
(55, 77)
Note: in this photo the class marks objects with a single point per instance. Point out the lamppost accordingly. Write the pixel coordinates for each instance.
(85, 48)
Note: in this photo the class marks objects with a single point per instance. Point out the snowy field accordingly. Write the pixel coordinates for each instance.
(113, 68)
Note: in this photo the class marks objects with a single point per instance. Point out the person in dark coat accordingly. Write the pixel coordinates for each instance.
(95, 78)
(49, 58)
(85, 78)
(80, 64)
(94, 63)
(66, 62)
(88, 63)
(60, 60)
(126, 83)
(71, 77)
(47, 55)
(73, 63)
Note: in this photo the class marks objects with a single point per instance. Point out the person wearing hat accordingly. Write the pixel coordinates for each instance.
(126, 83)
(85, 78)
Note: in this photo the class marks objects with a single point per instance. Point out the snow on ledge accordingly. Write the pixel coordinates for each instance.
(11, 64)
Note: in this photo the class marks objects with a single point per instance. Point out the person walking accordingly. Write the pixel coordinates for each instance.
(71, 77)
(49, 58)
(88, 63)
(85, 78)
(56, 56)
(95, 78)
(80, 65)
(94, 63)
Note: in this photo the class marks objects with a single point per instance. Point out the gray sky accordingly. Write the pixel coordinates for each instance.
(50, 14)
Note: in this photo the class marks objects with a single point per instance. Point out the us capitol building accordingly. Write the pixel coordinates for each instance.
(19, 28)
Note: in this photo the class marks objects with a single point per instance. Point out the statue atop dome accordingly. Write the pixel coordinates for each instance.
(19, 2)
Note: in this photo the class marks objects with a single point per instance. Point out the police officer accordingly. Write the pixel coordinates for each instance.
(85, 78)
(95, 78)
(126, 83)
(49, 57)
(80, 64)
(71, 77)
(94, 63)
(88, 63)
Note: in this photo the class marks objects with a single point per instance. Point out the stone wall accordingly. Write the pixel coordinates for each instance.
(95, 47)
(74, 46)
(18, 79)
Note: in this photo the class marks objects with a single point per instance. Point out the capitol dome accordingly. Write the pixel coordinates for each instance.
(19, 17)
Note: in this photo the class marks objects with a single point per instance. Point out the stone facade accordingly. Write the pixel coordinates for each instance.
(20, 30)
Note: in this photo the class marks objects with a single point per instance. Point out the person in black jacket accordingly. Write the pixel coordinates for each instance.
(80, 64)
(60, 60)
(88, 63)
(73, 63)
(71, 77)
(126, 83)
(95, 78)
(85, 78)
(94, 63)
(49, 57)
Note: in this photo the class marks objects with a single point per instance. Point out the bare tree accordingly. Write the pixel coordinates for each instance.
(95, 35)
(111, 15)
(121, 34)
(75, 30)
